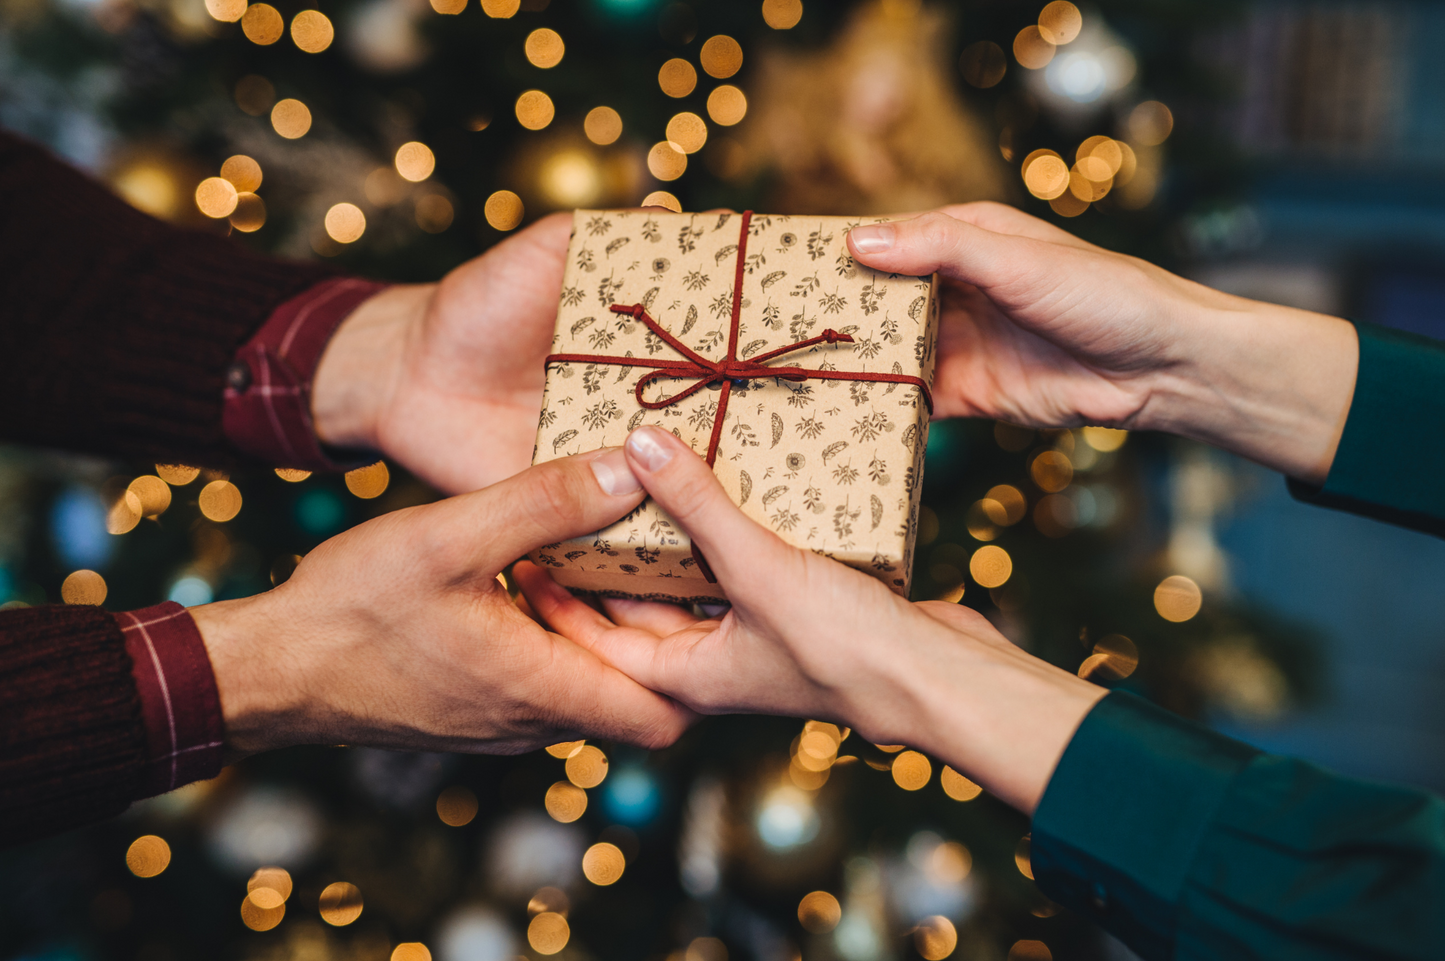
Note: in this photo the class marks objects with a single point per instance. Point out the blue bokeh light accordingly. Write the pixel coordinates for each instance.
(77, 526)
(320, 512)
(191, 592)
(631, 796)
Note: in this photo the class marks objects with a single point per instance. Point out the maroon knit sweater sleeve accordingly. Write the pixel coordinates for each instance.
(116, 330)
(71, 734)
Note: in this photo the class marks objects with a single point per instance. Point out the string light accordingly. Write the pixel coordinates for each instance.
(311, 31)
(1030, 951)
(220, 501)
(1031, 50)
(451, 7)
(371, 481)
(1178, 598)
(535, 110)
(154, 494)
(957, 786)
(587, 768)
(503, 210)
(677, 78)
(415, 161)
(1150, 123)
(544, 48)
(721, 57)
(243, 173)
(548, 933)
(911, 771)
(216, 197)
(782, 14)
(291, 118)
(666, 160)
(565, 802)
(727, 105)
(1060, 22)
(935, 938)
(262, 24)
(226, 11)
(340, 903)
(1022, 857)
(250, 213)
(661, 198)
(501, 9)
(434, 213)
(603, 125)
(147, 856)
(177, 475)
(819, 912)
(983, 64)
(991, 566)
(457, 806)
(688, 131)
(603, 864)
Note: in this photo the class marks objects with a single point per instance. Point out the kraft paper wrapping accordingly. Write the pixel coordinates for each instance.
(834, 467)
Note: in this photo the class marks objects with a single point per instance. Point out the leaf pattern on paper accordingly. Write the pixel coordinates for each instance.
(616, 245)
(777, 424)
(724, 254)
(876, 506)
(745, 485)
(598, 225)
(690, 320)
(773, 278)
(774, 493)
(582, 325)
(562, 439)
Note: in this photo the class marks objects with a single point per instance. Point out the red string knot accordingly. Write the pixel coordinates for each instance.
(831, 336)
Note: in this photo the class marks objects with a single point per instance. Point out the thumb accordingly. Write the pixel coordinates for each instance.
(739, 551)
(937, 243)
(545, 503)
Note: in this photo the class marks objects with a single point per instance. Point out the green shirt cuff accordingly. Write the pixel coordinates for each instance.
(1390, 464)
(1124, 814)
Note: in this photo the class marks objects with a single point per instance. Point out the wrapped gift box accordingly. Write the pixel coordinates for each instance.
(759, 341)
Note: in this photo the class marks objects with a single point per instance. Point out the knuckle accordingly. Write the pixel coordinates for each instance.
(557, 495)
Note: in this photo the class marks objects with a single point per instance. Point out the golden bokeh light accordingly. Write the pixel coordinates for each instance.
(565, 802)
(220, 501)
(570, 178)
(86, 587)
(666, 161)
(603, 125)
(415, 161)
(544, 48)
(243, 173)
(1045, 174)
(889, 748)
(1114, 658)
(677, 78)
(501, 9)
(549, 899)
(277, 880)
(504, 210)
(1055, 515)
(154, 494)
(911, 770)
(1128, 163)
(411, 951)
(1023, 857)
(456, 806)
(311, 31)
(705, 949)
(262, 24)
(721, 57)
(782, 14)
(291, 475)
(1052, 471)
(957, 786)
(250, 213)
(177, 475)
(1110, 151)
(984, 519)
(535, 110)
(291, 118)
(935, 938)
(1060, 22)
(1095, 170)
(727, 105)
(1030, 951)
(148, 856)
(283, 567)
(588, 767)
(1082, 183)
(819, 912)
(216, 197)
(367, 482)
(661, 198)
(950, 863)
(1068, 204)
(603, 864)
(266, 898)
(1150, 123)
(548, 933)
(345, 223)
(1031, 50)
(991, 566)
(383, 187)
(226, 11)
(434, 213)
(452, 7)
(340, 903)
(1105, 439)
(565, 749)
(258, 918)
(1178, 598)
(125, 513)
(983, 64)
(688, 131)
(806, 780)
(254, 95)
(1014, 505)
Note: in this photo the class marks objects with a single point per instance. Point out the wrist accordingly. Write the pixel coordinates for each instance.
(357, 376)
(1270, 383)
(255, 680)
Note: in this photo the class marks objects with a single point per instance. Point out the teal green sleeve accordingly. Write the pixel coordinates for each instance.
(1188, 845)
(1391, 464)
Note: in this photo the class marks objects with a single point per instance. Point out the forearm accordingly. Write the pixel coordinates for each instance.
(119, 329)
(1270, 383)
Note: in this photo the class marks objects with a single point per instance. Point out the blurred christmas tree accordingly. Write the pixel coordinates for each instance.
(400, 138)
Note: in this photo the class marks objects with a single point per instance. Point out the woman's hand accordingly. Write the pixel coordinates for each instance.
(397, 633)
(446, 379)
(1042, 329)
(809, 637)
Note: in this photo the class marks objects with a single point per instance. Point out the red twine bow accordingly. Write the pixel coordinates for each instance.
(728, 371)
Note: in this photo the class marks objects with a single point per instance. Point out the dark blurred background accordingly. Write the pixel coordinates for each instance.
(1288, 151)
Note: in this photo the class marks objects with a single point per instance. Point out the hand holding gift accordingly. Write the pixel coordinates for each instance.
(800, 377)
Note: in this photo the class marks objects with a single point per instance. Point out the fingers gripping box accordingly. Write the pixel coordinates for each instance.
(802, 376)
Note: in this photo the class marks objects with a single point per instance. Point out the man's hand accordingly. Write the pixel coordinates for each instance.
(809, 637)
(397, 633)
(447, 378)
(1042, 329)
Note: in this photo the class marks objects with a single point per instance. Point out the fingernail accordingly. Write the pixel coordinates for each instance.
(874, 238)
(613, 475)
(651, 451)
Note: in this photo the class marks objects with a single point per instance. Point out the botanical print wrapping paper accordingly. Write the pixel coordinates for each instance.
(831, 466)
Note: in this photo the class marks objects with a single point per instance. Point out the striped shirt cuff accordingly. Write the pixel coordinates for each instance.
(179, 702)
(267, 403)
